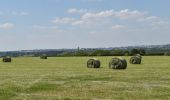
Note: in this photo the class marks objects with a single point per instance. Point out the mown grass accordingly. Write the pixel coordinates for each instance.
(68, 78)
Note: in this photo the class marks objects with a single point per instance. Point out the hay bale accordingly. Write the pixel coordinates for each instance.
(135, 60)
(118, 63)
(44, 56)
(93, 63)
(166, 53)
(139, 56)
(6, 59)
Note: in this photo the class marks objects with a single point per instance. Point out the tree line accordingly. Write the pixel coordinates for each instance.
(90, 52)
(114, 52)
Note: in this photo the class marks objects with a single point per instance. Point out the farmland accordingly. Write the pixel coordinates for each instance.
(68, 78)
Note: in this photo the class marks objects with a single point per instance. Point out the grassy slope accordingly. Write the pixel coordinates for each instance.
(68, 78)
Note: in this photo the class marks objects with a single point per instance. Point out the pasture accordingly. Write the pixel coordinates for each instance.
(68, 78)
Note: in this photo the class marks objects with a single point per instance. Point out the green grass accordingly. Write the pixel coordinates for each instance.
(68, 78)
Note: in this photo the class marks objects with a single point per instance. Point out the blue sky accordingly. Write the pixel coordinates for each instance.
(53, 24)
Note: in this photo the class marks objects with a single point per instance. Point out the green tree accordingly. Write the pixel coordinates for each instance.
(126, 53)
(135, 51)
(116, 52)
(81, 53)
(142, 52)
(138, 51)
(101, 53)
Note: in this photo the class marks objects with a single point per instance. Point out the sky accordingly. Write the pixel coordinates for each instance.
(56, 24)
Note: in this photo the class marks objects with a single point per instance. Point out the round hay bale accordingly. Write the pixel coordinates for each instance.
(44, 56)
(139, 56)
(166, 53)
(118, 63)
(93, 63)
(135, 60)
(6, 59)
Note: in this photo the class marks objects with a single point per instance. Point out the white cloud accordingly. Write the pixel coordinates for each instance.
(128, 14)
(93, 18)
(4, 14)
(122, 14)
(53, 29)
(155, 22)
(93, 32)
(161, 25)
(65, 20)
(74, 10)
(24, 13)
(19, 13)
(6, 26)
(118, 27)
(38, 27)
(150, 18)
(99, 20)
(107, 13)
(78, 22)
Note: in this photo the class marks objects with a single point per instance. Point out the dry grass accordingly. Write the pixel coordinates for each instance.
(68, 78)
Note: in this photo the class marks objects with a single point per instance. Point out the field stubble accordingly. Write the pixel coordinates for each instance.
(68, 78)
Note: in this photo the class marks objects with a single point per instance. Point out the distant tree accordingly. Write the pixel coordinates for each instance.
(135, 51)
(81, 53)
(126, 53)
(66, 54)
(166, 53)
(101, 53)
(116, 52)
(142, 52)
(138, 51)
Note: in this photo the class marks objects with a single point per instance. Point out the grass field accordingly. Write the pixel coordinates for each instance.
(68, 78)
